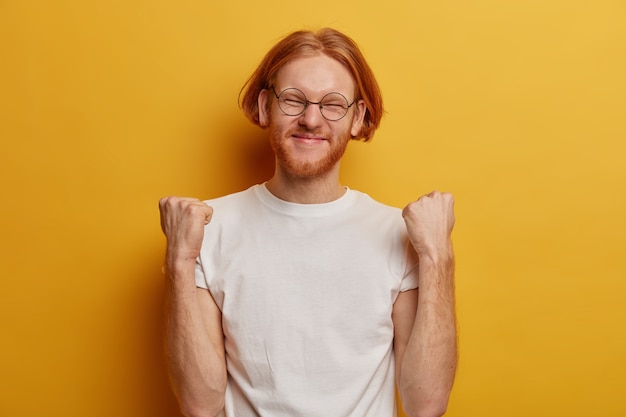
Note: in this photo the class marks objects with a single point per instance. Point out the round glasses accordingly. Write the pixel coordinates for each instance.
(293, 102)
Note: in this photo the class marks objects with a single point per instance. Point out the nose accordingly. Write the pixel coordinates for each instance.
(311, 117)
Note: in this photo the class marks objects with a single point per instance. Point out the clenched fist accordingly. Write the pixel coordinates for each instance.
(429, 222)
(183, 221)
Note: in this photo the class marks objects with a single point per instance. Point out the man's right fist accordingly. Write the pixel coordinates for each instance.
(182, 222)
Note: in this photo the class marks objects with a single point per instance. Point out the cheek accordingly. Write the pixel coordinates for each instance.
(282, 123)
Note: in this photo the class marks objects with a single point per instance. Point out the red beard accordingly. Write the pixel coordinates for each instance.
(307, 168)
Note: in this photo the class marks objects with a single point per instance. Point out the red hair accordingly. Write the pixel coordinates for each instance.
(328, 42)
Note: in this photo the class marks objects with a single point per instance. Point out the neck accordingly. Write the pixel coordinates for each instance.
(317, 189)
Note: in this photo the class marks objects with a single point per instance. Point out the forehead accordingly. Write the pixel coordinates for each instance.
(315, 75)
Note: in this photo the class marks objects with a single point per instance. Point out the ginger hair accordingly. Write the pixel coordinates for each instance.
(331, 43)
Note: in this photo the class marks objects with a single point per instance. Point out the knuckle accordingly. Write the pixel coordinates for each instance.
(167, 201)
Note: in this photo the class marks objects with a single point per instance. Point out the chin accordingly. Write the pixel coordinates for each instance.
(307, 169)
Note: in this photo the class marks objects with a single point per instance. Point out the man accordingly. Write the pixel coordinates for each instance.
(299, 296)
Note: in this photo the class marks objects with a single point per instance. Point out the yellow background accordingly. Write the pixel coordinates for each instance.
(517, 107)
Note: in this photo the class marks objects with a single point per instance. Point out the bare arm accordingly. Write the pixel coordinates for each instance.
(194, 341)
(425, 340)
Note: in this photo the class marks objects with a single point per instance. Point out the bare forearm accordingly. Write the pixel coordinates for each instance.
(194, 346)
(429, 362)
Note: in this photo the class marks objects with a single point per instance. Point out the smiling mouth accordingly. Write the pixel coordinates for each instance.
(309, 140)
(307, 137)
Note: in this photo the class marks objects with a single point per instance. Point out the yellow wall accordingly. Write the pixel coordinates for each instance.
(517, 107)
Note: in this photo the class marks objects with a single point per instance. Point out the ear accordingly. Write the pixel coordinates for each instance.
(263, 103)
(358, 118)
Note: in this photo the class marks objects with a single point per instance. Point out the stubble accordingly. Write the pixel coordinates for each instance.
(307, 168)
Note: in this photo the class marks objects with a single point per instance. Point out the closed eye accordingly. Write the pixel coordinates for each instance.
(293, 102)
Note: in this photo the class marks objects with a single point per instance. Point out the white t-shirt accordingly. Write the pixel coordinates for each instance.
(306, 293)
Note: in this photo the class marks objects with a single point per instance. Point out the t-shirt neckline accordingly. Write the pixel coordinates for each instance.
(305, 210)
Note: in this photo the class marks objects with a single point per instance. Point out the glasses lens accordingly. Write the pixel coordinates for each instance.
(334, 106)
(292, 101)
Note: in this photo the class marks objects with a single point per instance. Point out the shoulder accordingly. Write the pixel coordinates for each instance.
(235, 207)
(367, 203)
(377, 216)
(233, 199)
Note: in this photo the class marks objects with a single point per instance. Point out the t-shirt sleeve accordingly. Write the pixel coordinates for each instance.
(410, 279)
(201, 280)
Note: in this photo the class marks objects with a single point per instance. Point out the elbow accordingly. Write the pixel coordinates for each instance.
(198, 399)
(435, 406)
(208, 405)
